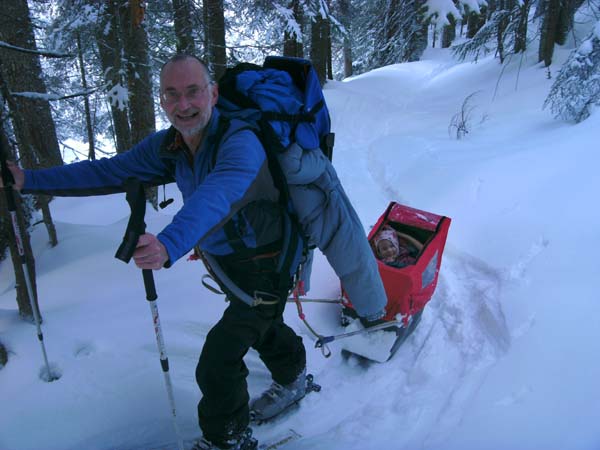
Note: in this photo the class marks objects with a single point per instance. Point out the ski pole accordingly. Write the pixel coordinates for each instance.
(135, 228)
(324, 340)
(8, 182)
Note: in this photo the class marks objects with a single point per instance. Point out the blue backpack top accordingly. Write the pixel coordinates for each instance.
(283, 98)
(283, 103)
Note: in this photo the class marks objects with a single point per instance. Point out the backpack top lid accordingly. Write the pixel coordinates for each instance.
(289, 97)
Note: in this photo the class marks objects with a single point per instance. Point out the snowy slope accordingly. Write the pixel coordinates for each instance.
(505, 356)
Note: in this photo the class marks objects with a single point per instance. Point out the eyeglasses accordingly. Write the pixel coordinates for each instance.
(171, 96)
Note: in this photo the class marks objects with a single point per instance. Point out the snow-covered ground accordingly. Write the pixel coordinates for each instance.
(506, 356)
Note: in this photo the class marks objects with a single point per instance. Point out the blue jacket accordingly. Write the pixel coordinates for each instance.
(230, 181)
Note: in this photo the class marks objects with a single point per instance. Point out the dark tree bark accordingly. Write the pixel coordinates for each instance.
(182, 18)
(3, 355)
(416, 38)
(109, 50)
(548, 31)
(328, 51)
(215, 26)
(346, 19)
(318, 47)
(23, 302)
(503, 5)
(557, 21)
(32, 118)
(139, 77)
(449, 32)
(8, 228)
(292, 44)
(86, 103)
(521, 31)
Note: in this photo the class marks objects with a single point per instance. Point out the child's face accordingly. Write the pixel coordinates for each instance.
(386, 249)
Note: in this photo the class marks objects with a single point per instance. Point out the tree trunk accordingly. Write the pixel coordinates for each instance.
(346, 19)
(86, 103)
(292, 44)
(216, 36)
(43, 201)
(32, 118)
(182, 19)
(565, 20)
(390, 33)
(449, 32)
(23, 302)
(109, 50)
(318, 47)
(521, 31)
(416, 40)
(328, 51)
(503, 5)
(3, 355)
(548, 31)
(139, 77)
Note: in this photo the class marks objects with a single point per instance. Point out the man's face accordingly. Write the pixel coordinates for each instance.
(187, 96)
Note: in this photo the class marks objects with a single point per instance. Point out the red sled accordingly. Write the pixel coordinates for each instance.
(408, 288)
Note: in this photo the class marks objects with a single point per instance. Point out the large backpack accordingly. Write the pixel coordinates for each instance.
(283, 103)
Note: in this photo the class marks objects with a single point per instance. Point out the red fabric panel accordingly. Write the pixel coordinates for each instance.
(409, 288)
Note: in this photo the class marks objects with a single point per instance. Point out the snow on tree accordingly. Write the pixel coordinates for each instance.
(576, 89)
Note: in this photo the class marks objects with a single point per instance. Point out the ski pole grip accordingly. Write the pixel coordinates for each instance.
(127, 247)
(149, 285)
(136, 226)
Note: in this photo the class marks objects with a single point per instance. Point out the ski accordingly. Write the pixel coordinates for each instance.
(281, 441)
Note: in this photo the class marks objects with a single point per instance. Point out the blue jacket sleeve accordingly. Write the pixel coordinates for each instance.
(104, 176)
(241, 159)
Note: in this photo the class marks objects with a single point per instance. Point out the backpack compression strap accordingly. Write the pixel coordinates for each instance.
(292, 245)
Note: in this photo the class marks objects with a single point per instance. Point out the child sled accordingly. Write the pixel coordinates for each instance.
(408, 288)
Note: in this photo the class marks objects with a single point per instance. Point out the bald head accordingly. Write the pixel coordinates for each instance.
(191, 60)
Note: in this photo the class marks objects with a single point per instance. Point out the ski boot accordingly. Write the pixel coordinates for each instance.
(244, 442)
(278, 398)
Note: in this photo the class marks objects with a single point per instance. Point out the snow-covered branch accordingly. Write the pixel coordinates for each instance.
(45, 53)
(50, 97)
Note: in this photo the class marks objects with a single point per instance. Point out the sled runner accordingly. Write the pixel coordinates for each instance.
(408, 288)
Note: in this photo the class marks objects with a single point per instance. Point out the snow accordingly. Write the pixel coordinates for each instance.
(506, 354)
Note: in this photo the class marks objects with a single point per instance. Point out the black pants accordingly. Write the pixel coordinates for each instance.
(223, 411)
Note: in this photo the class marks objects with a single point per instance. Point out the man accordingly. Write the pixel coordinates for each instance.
(228, 195)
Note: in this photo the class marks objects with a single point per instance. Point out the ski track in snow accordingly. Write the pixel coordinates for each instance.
(463, 324)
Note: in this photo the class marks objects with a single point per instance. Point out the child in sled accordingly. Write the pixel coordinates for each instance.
(396, 249)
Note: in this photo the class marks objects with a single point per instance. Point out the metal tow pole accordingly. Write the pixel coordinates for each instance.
(324, 340)
(135, 228)
(9, 181)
